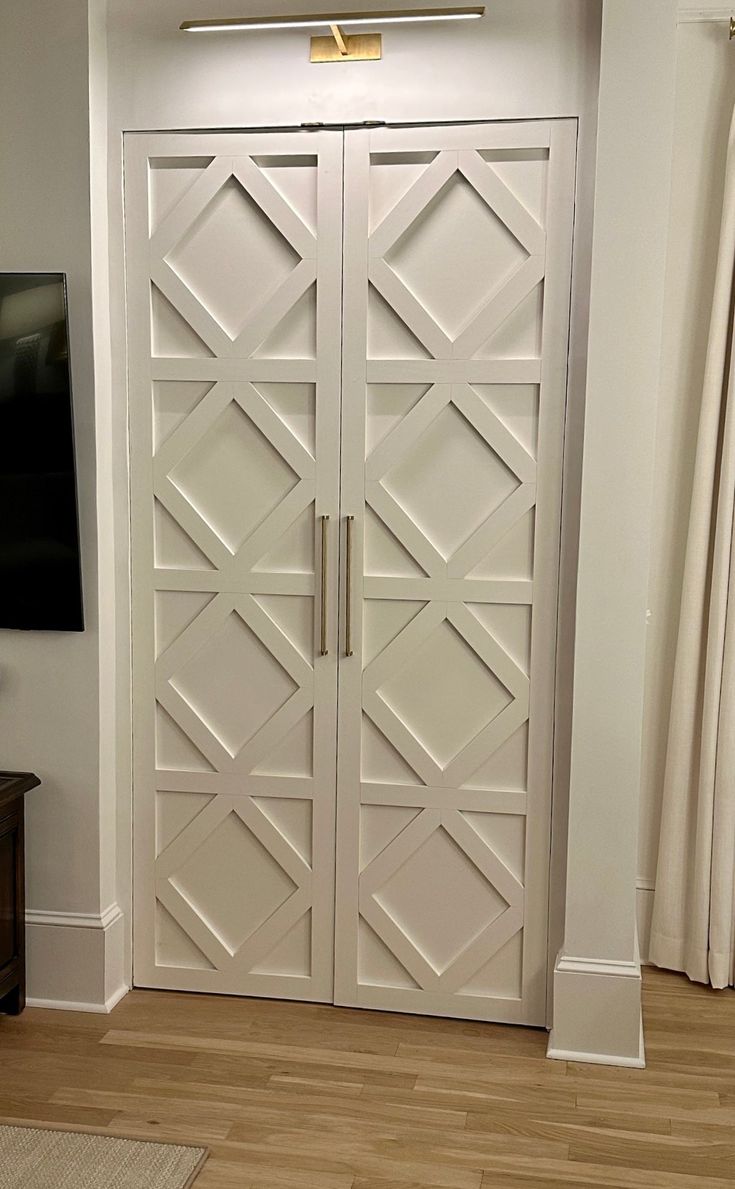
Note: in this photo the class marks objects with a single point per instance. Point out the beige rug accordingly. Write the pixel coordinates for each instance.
(36, 1158)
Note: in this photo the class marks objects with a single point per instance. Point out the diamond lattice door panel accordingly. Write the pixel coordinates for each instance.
(234, 278)
(456, 298)
(369, 327)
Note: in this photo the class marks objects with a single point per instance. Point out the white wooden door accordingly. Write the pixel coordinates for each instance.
(233, 282)
(457, 281)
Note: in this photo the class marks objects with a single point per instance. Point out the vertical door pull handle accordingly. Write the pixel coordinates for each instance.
(348, 587)
(323, 650)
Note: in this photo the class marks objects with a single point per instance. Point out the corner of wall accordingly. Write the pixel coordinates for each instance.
(76, 961)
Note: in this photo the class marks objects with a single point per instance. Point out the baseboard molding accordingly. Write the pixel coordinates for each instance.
(597, 1011)
(566, 964)
(638, 1062)
(76, 961)
(75, 920)
(65, 1005)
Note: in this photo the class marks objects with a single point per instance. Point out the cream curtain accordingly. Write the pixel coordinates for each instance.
(694, 903)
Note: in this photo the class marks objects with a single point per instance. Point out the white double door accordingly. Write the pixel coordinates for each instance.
(347, 366)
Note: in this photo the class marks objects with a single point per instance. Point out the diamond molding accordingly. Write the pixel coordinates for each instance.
(276, 303)
(195, 637)
(506, 296)
(398, 655)
(449, 724)
(479, 949)
(398, 444)
(232, 240)
(189, 435)
(264, 938)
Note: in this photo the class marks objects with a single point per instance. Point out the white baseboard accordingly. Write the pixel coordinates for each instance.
(66, 1005)
(638, 1062)
(75, 961)
(597, 1012)
(76, 920)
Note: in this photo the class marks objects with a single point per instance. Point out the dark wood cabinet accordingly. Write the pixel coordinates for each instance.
(13, 787)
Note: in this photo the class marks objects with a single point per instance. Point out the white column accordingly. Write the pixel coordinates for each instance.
(596, 1014)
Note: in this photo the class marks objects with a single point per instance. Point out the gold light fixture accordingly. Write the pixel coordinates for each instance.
(337, 47)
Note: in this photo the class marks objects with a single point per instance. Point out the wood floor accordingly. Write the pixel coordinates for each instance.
(294, 1096)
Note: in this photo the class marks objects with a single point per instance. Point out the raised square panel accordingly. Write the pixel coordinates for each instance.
(450, 481)
(232, 257)
(233, 477)
(234, 684)
(455, 254)
(440, 900)
(445, 695)
(232, 882)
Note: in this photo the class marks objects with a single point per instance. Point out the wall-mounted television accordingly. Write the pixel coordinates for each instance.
(40, 572)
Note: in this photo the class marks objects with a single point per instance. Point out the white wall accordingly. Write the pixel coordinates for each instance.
(50, 682)
(48, 689)
(49, 709)
(705, 96)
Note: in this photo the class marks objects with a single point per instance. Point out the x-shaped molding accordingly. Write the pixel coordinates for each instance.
(259, 944)
(192, 639)
(396, 445)
(479, 949)
(507, 295)
(179, 221)
(185, 438)
(397, 655)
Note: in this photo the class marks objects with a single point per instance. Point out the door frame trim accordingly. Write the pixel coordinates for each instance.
(570, 517)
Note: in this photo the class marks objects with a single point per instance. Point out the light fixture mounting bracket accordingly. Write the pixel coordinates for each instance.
(341, 47)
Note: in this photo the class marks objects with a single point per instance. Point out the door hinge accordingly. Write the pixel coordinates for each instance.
(321, 126)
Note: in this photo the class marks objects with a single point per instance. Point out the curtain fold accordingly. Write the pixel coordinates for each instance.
(693, 927)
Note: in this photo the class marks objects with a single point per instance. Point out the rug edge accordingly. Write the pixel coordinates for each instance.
(80, 1129)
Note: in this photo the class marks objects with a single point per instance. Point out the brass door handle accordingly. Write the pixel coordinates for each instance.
(323, 650)
(348, 586)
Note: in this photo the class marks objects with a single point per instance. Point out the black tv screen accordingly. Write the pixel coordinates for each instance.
(40, 576)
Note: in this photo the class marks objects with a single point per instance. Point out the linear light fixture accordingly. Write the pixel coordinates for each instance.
(337, 47)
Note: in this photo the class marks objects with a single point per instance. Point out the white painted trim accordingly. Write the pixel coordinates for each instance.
(695, 16)
(75, 960)
(567, 964)
(75, 920)
(597, 1012)
(97, 1008)
(638, 1062)
(644, 889)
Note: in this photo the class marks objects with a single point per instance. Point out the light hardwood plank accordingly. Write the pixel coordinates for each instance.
(306, 1096)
